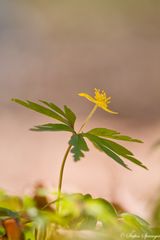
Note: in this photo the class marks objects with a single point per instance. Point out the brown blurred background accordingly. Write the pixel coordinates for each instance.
(55, 49)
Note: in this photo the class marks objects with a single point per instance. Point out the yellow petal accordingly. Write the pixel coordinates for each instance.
(88, 97)
(108, 110)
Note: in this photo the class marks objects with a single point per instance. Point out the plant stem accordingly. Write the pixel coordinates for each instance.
(61, 176)
(65, 158)
(88, 118)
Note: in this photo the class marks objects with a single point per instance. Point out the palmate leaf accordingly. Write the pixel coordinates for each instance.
(71, 117)
(79, 146)
(114, 150)
(41, 109)
(51, 110)
(53, 107)
(67, 113)
(52, 127)
(114, 156)
(106, 150)
(108, 133)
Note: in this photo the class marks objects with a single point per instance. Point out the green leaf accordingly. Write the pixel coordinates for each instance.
(71, 117)
(122, 151)
(108, 133)
(134, 223)
(119, 149)
(67, 113)
(53, 107)
(8, 213)
(2, 231)
(78, 146)
(114, 156)
(103, 132)
(114, 150)
(100, 209)
(106, 150)
(136, 161)
(126, 138)
(14, 203)
(39, 108)
(52, 127)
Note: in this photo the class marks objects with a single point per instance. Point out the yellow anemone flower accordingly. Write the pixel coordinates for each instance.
(100, 99)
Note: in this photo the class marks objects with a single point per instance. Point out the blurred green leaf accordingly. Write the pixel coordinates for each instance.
(2, 231)
(41, 231)
(96, 211)
(78, 146)
(28, 202)
(70, 115)
(134, 222)
(108, 133)
(29, 232)
(41, 109)
(2, 194)
(156, 212)
(101, 209)
(73, 208)
(5, 212)
(11, 202)
(52, 127)
(156, 231)
(80, 217)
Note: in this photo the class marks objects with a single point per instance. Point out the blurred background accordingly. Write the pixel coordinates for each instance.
(55, 49)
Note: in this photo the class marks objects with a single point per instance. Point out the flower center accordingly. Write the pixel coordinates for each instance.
(100, 97)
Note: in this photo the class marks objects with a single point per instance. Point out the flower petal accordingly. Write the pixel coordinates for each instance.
(88, 97)
(108, 110)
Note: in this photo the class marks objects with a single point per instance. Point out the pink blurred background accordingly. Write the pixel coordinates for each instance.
(55, 49)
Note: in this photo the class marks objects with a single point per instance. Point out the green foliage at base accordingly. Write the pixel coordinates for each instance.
(81, 217)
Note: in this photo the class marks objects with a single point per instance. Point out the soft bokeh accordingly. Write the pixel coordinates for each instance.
(55, 49)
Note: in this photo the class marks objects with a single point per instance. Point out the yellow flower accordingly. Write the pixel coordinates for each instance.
(100, 99)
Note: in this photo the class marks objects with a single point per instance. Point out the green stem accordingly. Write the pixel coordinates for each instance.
(87, 119)
(61, 176)
(65, 158)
